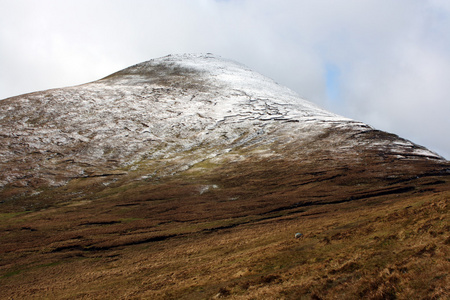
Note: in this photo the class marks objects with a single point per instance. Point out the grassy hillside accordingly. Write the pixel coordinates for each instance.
(227, 231)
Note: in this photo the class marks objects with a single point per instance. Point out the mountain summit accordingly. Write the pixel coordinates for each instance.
(173, 113)
(193, 177)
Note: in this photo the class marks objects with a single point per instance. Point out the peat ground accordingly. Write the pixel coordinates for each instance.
(227, 231)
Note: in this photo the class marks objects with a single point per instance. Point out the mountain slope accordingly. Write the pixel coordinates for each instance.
(188, 176)
(161, 109)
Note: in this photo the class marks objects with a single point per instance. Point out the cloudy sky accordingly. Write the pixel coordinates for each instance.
(384, 62)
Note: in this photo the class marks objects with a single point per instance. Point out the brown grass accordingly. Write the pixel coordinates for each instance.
(364, 236)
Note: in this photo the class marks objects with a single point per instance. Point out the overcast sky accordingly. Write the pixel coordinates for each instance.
(384, 62)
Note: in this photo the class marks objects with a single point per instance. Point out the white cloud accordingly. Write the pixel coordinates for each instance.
(393, 56)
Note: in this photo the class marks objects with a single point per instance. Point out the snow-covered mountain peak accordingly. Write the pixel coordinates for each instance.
(226, 82)
(172, 113)
(214, 71)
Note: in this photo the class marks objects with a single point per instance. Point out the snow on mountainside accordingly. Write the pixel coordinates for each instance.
(172, 112)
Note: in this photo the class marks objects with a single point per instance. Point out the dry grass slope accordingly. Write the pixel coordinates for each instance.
(227, 231)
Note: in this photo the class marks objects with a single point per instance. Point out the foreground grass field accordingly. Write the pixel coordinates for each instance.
(149, 242)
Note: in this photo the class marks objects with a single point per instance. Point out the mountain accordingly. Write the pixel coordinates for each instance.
(176, 112)
(165, 153)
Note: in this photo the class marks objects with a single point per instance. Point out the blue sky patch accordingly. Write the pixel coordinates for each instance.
(333, 83)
